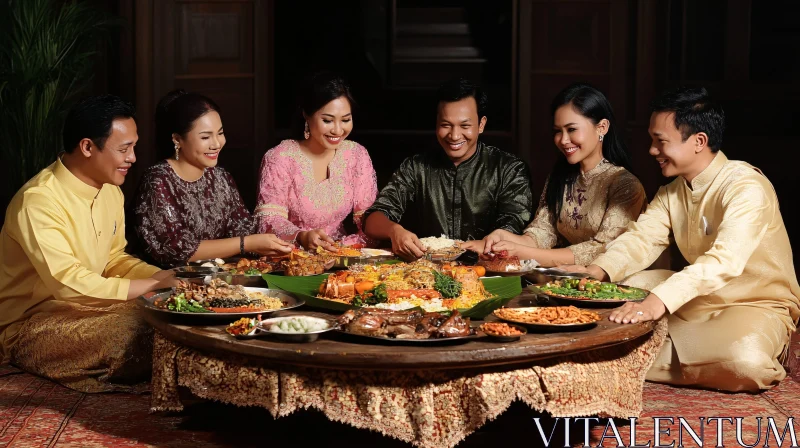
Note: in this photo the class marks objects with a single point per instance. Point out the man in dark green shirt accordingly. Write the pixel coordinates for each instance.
(463, 192)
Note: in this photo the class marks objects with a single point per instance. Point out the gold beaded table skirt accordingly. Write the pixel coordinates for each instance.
(431, 408)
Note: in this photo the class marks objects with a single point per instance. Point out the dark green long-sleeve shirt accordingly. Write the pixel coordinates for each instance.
(430, 196)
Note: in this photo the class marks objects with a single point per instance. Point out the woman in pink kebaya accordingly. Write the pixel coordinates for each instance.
(309, 186)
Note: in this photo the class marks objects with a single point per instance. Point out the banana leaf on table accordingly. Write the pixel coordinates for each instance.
(502, 288)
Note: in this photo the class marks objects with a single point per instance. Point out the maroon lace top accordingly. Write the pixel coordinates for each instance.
(173, 215)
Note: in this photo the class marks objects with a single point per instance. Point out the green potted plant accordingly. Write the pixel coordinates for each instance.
(47, 54)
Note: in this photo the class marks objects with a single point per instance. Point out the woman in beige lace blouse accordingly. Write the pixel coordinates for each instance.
(591, 190)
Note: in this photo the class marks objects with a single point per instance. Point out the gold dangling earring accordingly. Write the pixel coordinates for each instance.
(177, 148)
(306, 132)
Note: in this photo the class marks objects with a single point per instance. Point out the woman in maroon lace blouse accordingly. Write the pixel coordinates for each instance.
(187, 207)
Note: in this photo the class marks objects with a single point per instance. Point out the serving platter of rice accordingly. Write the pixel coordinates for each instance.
(442, 248)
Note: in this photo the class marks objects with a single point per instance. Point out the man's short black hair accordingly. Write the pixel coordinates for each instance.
(460, 88)
(695, 111)
(92, 118)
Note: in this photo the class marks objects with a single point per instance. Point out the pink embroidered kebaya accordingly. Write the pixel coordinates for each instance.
(290, 200)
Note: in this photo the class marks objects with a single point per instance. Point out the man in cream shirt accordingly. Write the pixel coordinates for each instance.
(65, 279)
(733, 309)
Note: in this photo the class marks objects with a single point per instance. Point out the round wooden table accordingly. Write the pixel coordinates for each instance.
(342, 351)
(431, 396)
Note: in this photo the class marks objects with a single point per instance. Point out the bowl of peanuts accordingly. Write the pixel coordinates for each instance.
(501, 331)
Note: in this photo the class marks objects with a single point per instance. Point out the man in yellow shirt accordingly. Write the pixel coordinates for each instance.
(65, 279)
(733, 309)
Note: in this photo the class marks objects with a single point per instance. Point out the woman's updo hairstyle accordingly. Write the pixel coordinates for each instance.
(176, 114)
(318, 90)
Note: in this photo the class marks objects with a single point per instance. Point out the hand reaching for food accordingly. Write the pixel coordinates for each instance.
(594, 271)
(506, 249)
(312, 239)
(474, 246)
(167, 282)
(163, 274)
(406, 244)
(494, 238)
(267, 244)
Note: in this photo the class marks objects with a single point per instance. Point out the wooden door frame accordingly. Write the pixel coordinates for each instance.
(521, 62)
(152, 79)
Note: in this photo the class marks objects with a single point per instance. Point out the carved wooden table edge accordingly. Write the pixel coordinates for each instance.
(334, 352)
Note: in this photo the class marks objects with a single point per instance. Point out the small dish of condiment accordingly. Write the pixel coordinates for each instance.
(296, 328)
(502, 331)
(244, 328)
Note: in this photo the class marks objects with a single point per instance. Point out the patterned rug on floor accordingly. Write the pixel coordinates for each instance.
(779, 403)
(38, 413)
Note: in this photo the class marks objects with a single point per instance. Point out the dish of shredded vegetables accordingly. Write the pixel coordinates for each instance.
(590, 289)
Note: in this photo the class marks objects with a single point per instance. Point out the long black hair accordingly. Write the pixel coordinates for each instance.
(317, 90)
(176, 114)
(592, 104)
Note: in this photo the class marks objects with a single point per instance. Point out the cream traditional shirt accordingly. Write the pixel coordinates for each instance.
(597, 209)
(62, 241)
(728, 226)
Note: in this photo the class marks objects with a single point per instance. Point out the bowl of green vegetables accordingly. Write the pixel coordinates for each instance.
(296, 328)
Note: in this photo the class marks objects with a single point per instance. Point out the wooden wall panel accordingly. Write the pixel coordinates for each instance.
(562, 42)
(215, 38)
(220, 49)
(570, 37)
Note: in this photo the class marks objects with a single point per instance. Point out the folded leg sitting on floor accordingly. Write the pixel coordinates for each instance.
(89, 349)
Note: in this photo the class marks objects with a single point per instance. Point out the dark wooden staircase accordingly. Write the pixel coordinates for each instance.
(431, 43)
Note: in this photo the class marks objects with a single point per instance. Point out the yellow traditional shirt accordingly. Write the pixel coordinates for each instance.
(728, 226)
(62, 241)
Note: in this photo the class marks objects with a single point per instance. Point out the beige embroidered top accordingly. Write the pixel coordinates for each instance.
(596, 210)
(728, 225)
